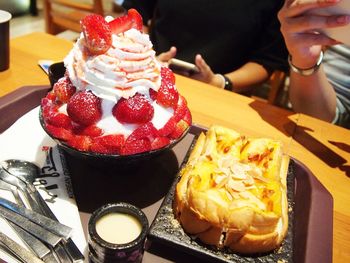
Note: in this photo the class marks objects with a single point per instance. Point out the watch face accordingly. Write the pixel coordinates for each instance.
(228, 84)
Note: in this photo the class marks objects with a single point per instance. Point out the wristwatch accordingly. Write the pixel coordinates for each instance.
(228, 83)
(308, 71)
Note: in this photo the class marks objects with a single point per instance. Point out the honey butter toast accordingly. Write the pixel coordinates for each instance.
(232, 192)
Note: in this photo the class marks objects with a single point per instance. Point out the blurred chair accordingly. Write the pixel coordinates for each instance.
(276, 83)
(272, 91)
(62, 15)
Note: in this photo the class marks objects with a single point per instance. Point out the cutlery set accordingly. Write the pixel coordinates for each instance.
(32, 219)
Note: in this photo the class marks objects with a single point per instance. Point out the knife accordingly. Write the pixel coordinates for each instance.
(47, 223)
(36, 230)
(17, 250)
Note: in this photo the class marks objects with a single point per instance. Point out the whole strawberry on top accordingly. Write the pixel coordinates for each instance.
(115, 97)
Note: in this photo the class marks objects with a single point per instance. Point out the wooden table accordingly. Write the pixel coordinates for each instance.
(322, 147)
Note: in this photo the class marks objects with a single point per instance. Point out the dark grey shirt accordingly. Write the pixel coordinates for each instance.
(337, 67)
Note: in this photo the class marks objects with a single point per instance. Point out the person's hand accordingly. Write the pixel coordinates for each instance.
(299, 28)
(206, 74)
(166, 56)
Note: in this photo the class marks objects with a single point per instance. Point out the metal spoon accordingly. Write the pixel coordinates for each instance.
(21, 185)
(28, 172)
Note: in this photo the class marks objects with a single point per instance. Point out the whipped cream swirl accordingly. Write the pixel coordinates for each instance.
(128, 67)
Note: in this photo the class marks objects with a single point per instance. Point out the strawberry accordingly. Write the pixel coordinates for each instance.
(153, 94)
(136, 19)
(146, 130)
(180, 108)
(51, 96)
(188, 117)
(48, 106)
(59, 120)
(80, 142)
(167, 75)
(160, 142)
(167, 94)
(123, 23)
(91, 130)
(168, 127)
(179, 129)
(109, 144)
(64, 89)
(97, 33)
(136, 109)
(58, 132)
(84, 108)
(136, 146)
(99, 148)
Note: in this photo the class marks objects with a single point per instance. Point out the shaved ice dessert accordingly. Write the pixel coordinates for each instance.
(115, 97)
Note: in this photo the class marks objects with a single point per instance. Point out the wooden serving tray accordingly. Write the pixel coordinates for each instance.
(146, 184)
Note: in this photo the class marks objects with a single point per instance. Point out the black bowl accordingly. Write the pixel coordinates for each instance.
(55, 72)
(100, 160)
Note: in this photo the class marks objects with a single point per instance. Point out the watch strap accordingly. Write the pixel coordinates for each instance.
(228, 83)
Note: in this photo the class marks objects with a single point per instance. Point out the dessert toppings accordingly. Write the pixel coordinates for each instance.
(84, 108)
(115, 97)
(136, 109)
(121, 24)
(97, 33)
(64, 89)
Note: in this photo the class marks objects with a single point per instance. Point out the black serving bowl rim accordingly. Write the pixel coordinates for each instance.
(55, 72)
(111, 156)
(121, 207)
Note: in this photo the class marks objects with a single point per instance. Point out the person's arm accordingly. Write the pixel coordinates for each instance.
(249, 75)
(242, 79)
(312, 94)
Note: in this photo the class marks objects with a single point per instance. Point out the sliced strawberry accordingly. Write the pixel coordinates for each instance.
(167, 75)
(180, 127)
(64, 89)
(51, 96)
(136, 109)
(168, 127)
(153, 94)
(160, 142)
(188, 117)
(48, 106)
(84, 108)
(59, 120)
(167, 94)
(97, 33)
(136, 19)
(123, 23)
(146, 130)
(181, 108)
(136, 146)
(80, 142)
(91, 130)
(58, 132)
(99, 148)
(111, 144)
